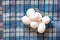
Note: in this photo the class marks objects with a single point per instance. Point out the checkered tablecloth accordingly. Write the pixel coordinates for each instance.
(11, 27)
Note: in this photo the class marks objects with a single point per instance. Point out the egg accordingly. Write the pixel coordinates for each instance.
(25, 20)
(46, 19)
(34, 25)
(41, 28)
(39, 16)
(36, 16)
(30, 11)
(33, 16)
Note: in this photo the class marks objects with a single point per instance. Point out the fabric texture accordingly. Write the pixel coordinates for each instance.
(12, 28)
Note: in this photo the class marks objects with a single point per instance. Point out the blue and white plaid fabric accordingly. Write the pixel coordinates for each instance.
(11, 27)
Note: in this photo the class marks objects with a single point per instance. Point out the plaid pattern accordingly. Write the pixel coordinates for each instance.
(11, 27)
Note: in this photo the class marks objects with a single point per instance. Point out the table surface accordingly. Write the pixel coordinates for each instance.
(11, 27)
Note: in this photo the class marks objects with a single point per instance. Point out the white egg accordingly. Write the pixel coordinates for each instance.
(30, 11)
(25, 20)
(46, 19)
(34, 25)
(33, 16)
(36, 16)
(39, 17)
(41, 28)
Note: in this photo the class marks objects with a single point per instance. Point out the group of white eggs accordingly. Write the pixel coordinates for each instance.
(35, 20)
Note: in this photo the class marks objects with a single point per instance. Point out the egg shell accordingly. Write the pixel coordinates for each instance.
(25, 20)
(34, 25)
(46, 19)
(41, 28)
(30, 11)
